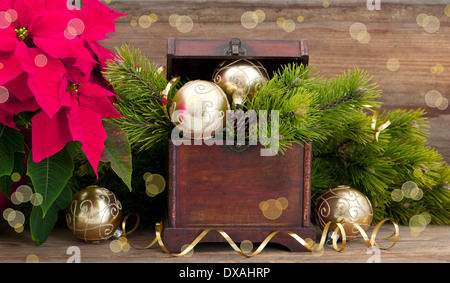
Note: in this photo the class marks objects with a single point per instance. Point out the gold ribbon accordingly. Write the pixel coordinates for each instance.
(169, 87)
(312, 247)
(165, 94)
(381, 127)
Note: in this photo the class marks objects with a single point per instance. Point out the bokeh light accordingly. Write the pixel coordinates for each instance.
(429, 23)
(433, 98)
(183, 24)
(358, 31)
(250, 19)
(32, 258)
(4, 94)
(273, 208)
(40, 60)
(246, 246)
(154, 184)
(393, 64)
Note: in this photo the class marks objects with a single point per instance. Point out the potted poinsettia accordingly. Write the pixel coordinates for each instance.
(53, 98)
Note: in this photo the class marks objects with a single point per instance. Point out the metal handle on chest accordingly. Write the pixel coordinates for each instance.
(235, 48)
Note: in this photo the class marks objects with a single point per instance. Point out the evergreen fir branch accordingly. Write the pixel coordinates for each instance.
(138, 84)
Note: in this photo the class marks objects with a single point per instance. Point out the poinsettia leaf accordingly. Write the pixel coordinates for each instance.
(50, 175)
(118, 152)
(5, 181)
(40, 225)
(11, 141)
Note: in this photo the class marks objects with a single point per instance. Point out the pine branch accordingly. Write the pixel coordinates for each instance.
(138, 84)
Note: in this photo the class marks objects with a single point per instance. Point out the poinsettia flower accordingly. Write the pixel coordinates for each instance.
(50, 60)
(84, 105)
(34, 29)
(92, 23)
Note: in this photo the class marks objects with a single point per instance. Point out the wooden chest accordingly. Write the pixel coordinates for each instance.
(241, 192)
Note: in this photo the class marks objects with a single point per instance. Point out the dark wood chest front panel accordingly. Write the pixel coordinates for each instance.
(213, 186)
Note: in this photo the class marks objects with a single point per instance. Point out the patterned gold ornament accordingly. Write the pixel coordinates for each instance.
(198, 109)
(240, 79)
(344, 205)
(94, 214)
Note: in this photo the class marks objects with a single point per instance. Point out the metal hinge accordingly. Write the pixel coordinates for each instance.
(235, 48)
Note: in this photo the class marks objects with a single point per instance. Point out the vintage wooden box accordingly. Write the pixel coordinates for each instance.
(243, 193)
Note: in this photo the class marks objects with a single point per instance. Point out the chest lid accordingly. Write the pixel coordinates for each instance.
(198, 58)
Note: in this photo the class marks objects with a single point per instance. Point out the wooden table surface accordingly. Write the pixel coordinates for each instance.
(431, 245)
(421, 52)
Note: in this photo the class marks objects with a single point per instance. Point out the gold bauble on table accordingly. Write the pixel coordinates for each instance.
(240, 79)
(94, 214)
(199, 108)
(345, 205)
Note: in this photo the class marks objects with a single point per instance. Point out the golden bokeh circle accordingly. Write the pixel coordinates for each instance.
(359, 32)
(154, 184)
(300, 19)
(17, 198)
(9, 214)
(260, 15)
(422, 19)
(15, 177)
(443, 105)
(356, 28)
(407, 187)
(433, 98)
(115, 246)
(4, 94)
(249, 20)
(36, 199)
(393, 64)
(326, 4)
(437, 69)
(416, 194)
(283, 202)
(153, 18)
(281, 22)
(173, 20)
(418, 223)
(289, 25)
(363, 37)
(147, 176)
(184, 24)
(447, 10)
(433, 24)
(397, 195)
(246, 246)
(144, 21)
(40, 60)
(32, 258)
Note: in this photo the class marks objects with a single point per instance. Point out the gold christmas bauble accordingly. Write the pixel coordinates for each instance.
(240, 79)
(94, 214)
(345, 205)
(199, 108)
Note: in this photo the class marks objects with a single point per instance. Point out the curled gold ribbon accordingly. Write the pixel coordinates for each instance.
(169, 87)
(161, 71)
(381, 127)
(311, 247)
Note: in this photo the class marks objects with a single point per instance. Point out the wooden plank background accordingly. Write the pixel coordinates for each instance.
(423, 56)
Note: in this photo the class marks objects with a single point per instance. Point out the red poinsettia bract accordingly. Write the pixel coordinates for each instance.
(49, 62)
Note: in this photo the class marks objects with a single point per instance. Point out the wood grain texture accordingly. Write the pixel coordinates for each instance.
(430, 246)
(394, 33)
